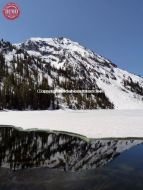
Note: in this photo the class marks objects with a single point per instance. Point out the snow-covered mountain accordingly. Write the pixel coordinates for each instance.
(59, 63)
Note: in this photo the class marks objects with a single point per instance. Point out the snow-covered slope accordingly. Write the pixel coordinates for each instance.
(92, 124)
(59, 63)
(117, 84)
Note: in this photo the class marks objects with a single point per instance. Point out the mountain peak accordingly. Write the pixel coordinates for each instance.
(59, 63)
(61, 40)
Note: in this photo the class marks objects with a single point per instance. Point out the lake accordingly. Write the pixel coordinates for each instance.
(124, 172)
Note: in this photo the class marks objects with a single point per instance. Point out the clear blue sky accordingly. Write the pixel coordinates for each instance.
(112, 28)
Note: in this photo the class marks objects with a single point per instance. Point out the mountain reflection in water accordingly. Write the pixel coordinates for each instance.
(125, 172)
(57, 150)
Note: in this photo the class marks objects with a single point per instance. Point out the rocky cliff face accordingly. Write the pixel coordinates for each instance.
(29, 149)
